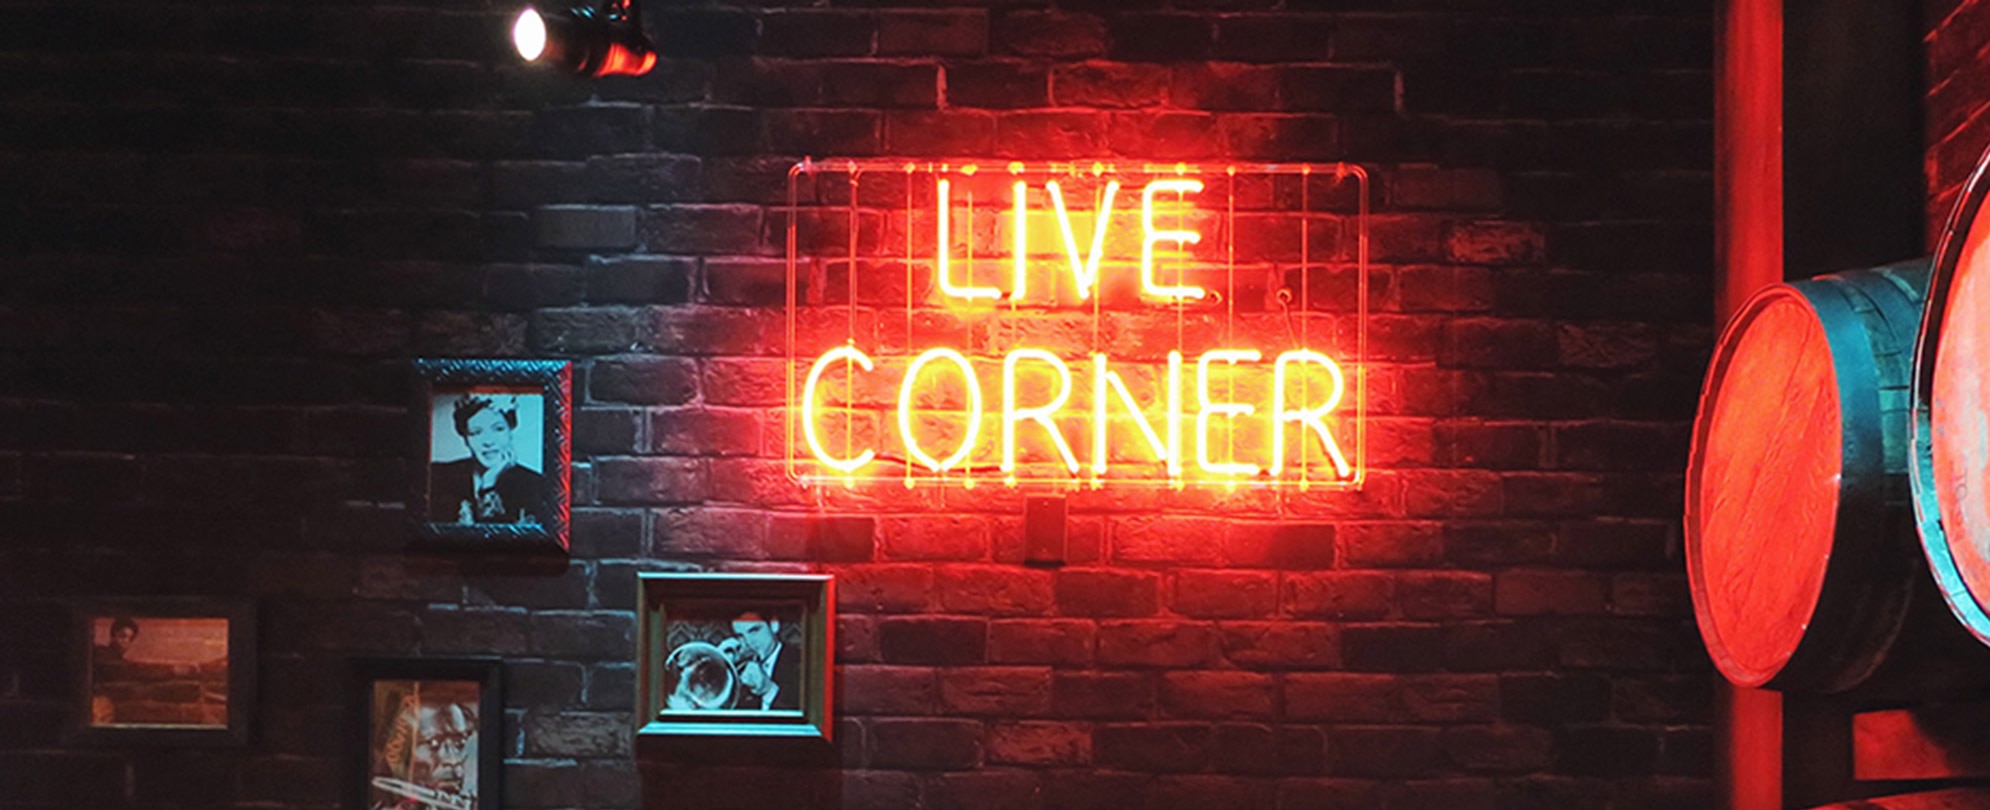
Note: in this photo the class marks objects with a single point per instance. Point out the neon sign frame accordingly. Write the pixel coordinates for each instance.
(810, 461)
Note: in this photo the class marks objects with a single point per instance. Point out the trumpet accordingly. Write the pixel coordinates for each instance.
(702, 676)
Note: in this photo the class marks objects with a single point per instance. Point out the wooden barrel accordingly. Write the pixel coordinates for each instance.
(1799, 539)
(1951, 412)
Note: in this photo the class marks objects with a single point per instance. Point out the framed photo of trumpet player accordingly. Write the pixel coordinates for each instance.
(493, 442)
(426, 734)
(736, 655)
(177, 672)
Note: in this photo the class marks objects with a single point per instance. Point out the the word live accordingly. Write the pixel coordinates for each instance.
(1175, 406)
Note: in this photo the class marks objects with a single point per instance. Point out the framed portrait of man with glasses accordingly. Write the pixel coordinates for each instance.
(427, 734)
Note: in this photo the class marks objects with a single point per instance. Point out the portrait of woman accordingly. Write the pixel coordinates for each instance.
(484, 458)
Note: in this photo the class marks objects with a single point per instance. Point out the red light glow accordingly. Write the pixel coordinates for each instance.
(953, 322)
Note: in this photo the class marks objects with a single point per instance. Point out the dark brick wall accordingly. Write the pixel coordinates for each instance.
(225, 228)
(1958, 92)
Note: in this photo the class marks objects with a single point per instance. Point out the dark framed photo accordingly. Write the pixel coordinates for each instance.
(169, 671)
(736, 655)
(426, 734)
(494, 441)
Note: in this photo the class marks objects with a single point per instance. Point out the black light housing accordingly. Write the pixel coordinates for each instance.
(589, 41)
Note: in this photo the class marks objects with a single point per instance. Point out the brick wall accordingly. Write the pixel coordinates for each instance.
(1958, 92)
(225, 228)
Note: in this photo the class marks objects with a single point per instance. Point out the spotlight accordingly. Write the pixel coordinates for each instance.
(604, 41)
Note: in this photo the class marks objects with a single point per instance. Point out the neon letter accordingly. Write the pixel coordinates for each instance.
(1149, 237)
(912, 447)
(1040, 415)
(1307, 417)
(1214, 408)
(1171, 451)
(1084, 271)
(842, 465)
(945, 246)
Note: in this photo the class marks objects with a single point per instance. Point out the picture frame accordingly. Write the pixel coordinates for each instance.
(167, 671)
(425, 733)
(492, 443)
(739, 656)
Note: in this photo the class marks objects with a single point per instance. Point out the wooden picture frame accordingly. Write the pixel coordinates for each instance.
(492, 443)
(168, 671)
(742, 656)
(426, 729)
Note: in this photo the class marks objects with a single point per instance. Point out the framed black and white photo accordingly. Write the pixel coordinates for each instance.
(494, 440)
(426, 734)
(736, 655)
(174, 672)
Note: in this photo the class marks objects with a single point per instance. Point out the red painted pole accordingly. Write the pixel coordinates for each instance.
(1748, 241)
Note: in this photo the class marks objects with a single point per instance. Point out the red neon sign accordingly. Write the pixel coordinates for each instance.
(1076, 324)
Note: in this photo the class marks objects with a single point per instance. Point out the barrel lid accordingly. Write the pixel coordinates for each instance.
(1950, 411)
(1762, 490)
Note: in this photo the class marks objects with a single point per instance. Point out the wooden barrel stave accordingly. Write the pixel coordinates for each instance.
(1820, 473)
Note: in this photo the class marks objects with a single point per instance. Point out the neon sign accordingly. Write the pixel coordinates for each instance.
(1076, 324)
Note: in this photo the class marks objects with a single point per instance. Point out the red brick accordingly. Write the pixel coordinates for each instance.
(1163, 135)
(1220, 86)
(1453, 493)
(1281, 645)
(1106, 593)
(1498, 343)
(1391, 545)
(998, 85)
(994, 590)
(1303, 546)
(856, 639)
(1274, 38)
(1168, 540)
(933, 33)
(1050, 33)
(1496, 243)
(1102, 695)
(983, 790)
(1218, 695)
(1444, 594)
(1500, 749)
(1059, 642)
(1650, 595)
(1049, 135)
(882, 588)
(1338, 595)
(809, 32)
(1535, 593)
(1225, 594)
(1152, 747)
(1156, 643)
(887, 690)
(1389, 752)
(933, 640)
(915, 133)
(880, 84)
(925, 744)
(996, 691)
(1040, 743)
(1451, 698)
(742, 381)
(937, 537)
(1108, 84)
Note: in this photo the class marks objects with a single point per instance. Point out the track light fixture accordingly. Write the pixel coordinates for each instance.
(591, 41)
